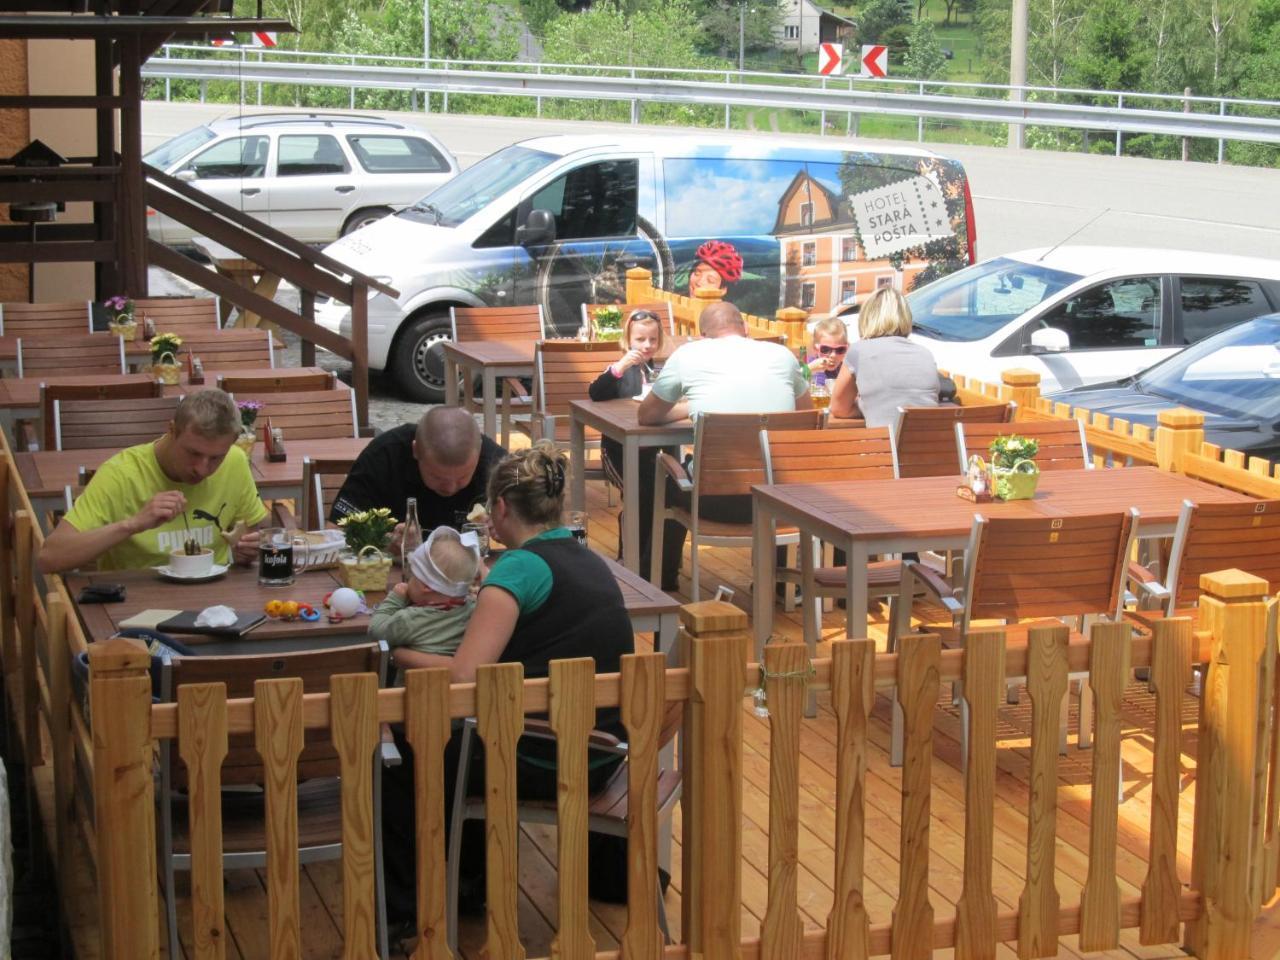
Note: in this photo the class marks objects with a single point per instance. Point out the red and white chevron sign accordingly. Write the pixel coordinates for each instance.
(264, 38)
(830, 59)
(875, 60)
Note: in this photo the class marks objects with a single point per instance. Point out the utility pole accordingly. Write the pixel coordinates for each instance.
(742, 33)
(1018, 69)
(426, 48)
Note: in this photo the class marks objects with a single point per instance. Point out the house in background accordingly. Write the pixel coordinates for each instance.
(805, 24)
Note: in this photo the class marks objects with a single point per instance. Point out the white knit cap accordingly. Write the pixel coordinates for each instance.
(425, 569)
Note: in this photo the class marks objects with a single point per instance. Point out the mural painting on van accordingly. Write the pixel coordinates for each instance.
(813, 234)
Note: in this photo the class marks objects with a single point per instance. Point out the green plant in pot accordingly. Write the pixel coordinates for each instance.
(365, 564)
(164, 357)
(607, 322)
(1013, 467)
(249, 410)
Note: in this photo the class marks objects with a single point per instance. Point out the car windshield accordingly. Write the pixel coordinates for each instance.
(174, 149)
(455, 201)
(1235, 373)
(976, 302)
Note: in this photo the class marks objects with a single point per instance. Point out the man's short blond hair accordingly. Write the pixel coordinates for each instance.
(456, 562)
(211, 413)
(885, 313)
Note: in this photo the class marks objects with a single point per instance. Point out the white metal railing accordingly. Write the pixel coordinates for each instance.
(1187, 116)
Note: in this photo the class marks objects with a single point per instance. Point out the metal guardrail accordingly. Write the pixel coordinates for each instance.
(785, 91)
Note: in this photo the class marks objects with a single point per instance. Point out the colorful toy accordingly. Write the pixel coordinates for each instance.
(290, 610)
(345, 603)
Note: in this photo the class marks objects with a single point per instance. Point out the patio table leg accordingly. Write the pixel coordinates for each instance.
(811, 605)
(631, 505)
(490, 403)
(856, 591)
(577, 462)
(763, 560)
(450, 381)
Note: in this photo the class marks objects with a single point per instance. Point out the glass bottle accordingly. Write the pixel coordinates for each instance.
(411, 538)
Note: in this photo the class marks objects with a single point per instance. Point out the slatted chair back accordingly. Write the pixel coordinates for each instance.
(809, 456)
(1214, 536)
(236, 349)
(661, 308)
(100, 393)
(102, 424)
(284, 381)
(322, 478)
(563, 370)
(243, 764)
(1062, 442)
(307, 414)
(925, 437)
(185, 316)
(63, 318)
(91, 353)
(1020, 568)
(497, 323)
(727, 458)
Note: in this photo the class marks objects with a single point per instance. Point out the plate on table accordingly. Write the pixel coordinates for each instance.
(168, 573)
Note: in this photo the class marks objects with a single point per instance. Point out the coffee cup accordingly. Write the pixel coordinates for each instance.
(185, 564)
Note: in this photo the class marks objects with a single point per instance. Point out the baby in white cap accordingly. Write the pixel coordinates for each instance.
(429, 613)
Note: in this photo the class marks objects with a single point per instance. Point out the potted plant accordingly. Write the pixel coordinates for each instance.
(164, 357)
(607, 323)
(120, 320)
(365, 564)
(1013, 467)
(249, 410)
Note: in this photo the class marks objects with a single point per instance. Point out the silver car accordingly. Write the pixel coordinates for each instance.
(316, 176)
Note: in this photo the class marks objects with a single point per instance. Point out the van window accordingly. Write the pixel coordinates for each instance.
(1210, 304)
(457, 200)
(596, 200)
(389, 154)
(1115, 315)
(235, 158)
(310, 154)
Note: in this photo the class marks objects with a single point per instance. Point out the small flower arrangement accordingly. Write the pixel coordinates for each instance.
(368, 528)
(608, 323)
(249, 410)
(119, 309)
(165, 345)
(1013, 467)
(1007, 451)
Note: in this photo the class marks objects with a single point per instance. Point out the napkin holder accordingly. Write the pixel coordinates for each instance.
(273, 443)
(195, 370)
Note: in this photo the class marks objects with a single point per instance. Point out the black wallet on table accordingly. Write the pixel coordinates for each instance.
(185, 622)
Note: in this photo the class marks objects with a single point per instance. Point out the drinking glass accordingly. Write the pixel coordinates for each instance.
(821, 395)
(481, 530)
(281, 554)
(576, 521)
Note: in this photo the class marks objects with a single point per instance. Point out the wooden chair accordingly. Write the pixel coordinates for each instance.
(662, 308)
(499, 323)
(925, 436)
(1209, 537)
(1062, 442)
(92, 353)
(243, 815)
(322, 478)
(562, 372)
(100, 424)
(237, 349)
(1027, 568)
(44, 436)
(727, 460)
(607, 808)
(308, 414)
(185, 316)
(285, 381)
(67, 318)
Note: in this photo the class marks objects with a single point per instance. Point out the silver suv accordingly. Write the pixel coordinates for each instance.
(315, 176)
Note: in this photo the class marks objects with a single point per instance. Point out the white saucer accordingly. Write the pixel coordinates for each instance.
(219, 570)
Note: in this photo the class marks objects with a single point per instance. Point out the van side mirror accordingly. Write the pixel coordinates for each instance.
(1049, 340)
(539, 228)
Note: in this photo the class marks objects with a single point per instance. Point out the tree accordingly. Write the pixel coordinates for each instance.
(879, 16)
(720, 24)
(1112, 51)
(925, 60)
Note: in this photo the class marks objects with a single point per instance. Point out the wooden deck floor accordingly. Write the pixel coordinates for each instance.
(321, 893)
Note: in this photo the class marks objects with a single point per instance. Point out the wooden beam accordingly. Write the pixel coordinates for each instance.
(42, 252)
(49, 232)
(52, 101)
(131, 214)
(88, 27)
(96, 191)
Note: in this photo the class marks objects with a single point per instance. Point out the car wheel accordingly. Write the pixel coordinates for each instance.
(362, 218)
(417, 361)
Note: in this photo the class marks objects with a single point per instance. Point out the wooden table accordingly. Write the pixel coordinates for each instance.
(283, 480)
(246, 273)
(616, 419)
(651, 610)
(494, 360)
(866, 517)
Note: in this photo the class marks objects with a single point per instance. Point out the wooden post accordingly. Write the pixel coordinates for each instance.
(702, 298)
(60, 706)
(643, 702)
(1233, 608)
(1180, 431)
(793, 323)
(786, 672)
(123, 800)
(500, 721)
(426, 726)
(918, 656)
(308, 309)
(1023, 389)
(353, 725)
(8, 648)
(712, 818)
(639, 285)
(131, 221)
(202, 743)
(25, 608)
(360, 352)
(572, 713)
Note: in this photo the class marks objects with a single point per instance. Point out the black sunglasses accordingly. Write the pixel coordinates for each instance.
(832, 351)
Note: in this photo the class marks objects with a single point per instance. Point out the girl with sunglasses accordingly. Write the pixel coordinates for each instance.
(830, 344)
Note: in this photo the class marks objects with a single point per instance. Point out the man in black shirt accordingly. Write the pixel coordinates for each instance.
(444, 462)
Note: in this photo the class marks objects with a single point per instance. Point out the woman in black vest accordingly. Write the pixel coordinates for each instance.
(546, 598)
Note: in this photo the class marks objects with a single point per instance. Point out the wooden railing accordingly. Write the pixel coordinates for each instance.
(1234, 858)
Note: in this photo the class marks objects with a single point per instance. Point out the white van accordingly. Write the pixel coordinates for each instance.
(558, 221)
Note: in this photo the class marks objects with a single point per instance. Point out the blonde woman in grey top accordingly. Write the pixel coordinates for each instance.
(884, 370)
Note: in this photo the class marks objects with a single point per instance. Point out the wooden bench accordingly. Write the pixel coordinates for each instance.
(87, 354)
(63, 318)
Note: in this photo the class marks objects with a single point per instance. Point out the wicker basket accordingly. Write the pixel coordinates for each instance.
(128, 329)
(166, 369)
(322, 549)
(366, 571)
(1018, 482)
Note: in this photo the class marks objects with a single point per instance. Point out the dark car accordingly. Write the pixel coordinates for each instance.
(1233, 377)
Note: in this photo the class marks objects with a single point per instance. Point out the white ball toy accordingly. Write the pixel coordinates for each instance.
(345, 602)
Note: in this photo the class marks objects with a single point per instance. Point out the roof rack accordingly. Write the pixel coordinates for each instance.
(328, 119)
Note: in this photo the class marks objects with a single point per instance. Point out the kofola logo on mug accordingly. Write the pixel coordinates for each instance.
(276, 557)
